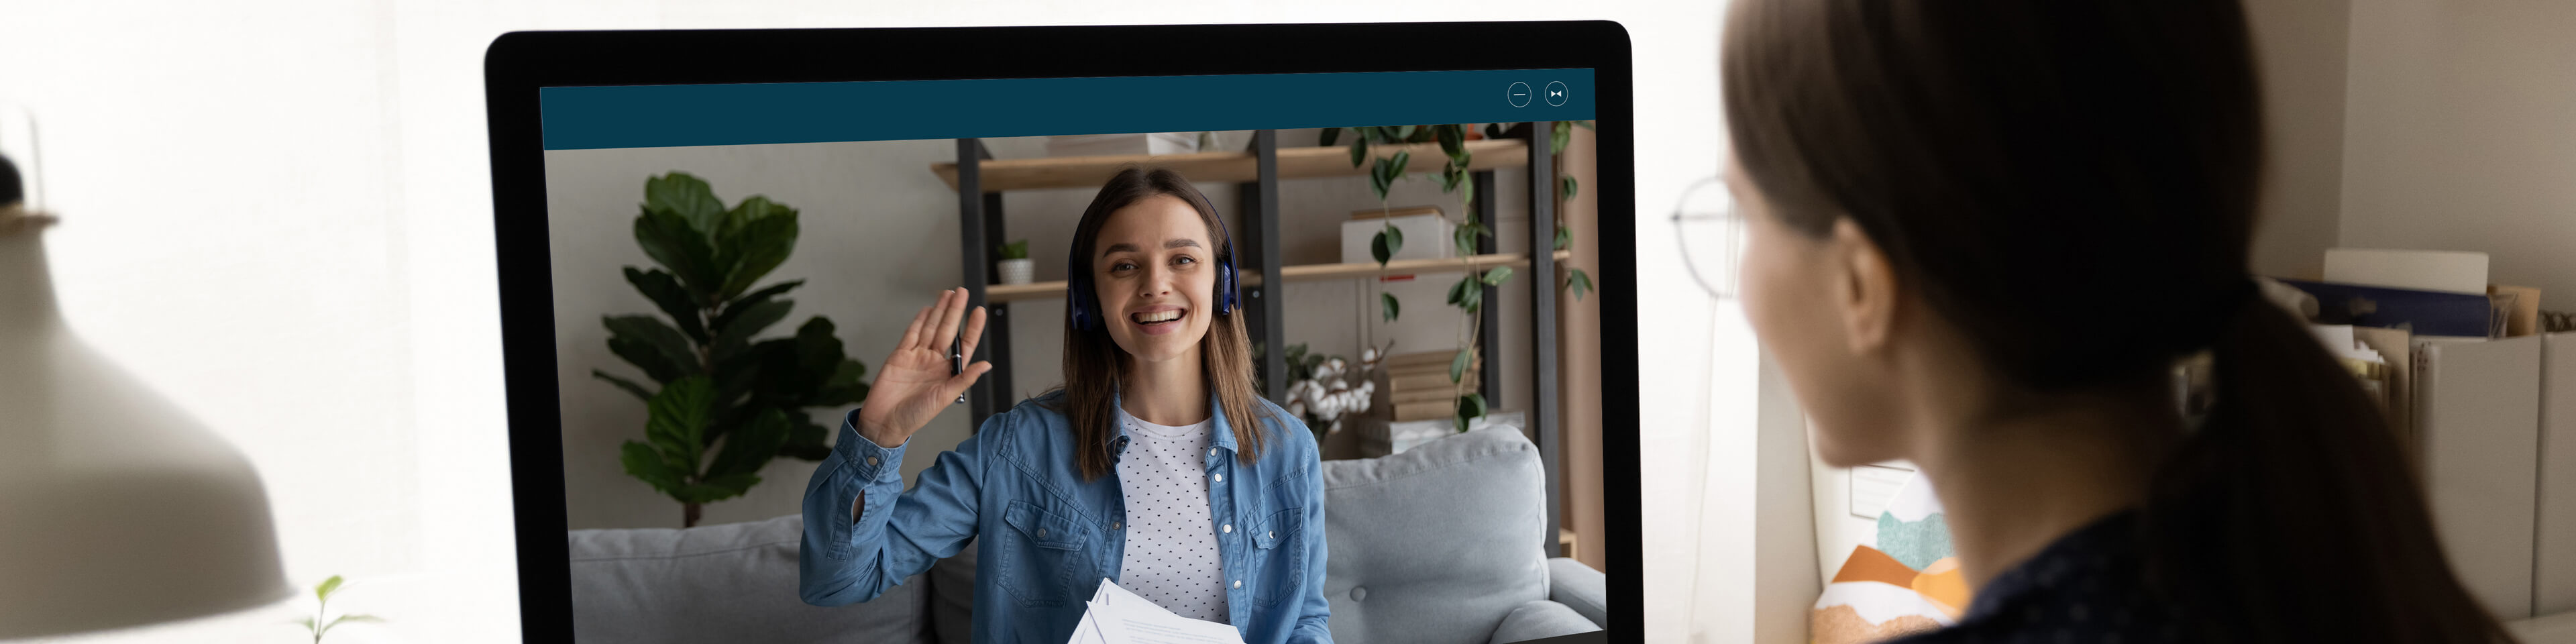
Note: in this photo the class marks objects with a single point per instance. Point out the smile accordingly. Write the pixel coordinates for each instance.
(1158, 321)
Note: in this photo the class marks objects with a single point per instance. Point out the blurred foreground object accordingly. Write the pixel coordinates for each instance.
(116, 508)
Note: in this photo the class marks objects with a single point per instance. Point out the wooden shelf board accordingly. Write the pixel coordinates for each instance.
(1055, 289)
(1001, 175)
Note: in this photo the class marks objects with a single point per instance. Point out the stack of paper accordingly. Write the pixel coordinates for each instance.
(1116, 616)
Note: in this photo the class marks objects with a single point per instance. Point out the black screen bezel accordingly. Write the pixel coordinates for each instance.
(517, 64)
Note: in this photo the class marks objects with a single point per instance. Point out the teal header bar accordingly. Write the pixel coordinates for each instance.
(646, 116)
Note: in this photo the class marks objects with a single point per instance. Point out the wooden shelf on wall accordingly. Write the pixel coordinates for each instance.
(1299, 273)
(1001, 175)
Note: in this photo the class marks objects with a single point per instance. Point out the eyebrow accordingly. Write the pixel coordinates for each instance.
(1127, 247)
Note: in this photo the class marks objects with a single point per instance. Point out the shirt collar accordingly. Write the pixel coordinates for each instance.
(1220, 433)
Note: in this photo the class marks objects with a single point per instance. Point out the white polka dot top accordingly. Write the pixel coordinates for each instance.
(1171, 556)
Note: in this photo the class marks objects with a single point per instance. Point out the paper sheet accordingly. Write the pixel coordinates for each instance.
(1116, 616)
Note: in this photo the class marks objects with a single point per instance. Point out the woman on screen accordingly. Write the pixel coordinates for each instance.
(1155, 465)
(1981, 234)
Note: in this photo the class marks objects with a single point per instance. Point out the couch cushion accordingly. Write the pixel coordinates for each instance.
(1437, 544)
(722, 583)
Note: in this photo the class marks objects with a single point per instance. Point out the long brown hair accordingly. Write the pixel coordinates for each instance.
(2073, 185)
(1093, 363)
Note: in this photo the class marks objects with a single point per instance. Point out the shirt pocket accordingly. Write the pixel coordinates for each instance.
(1040, 554)
(1278, 570)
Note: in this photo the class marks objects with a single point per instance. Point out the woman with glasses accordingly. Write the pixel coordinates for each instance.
(1978, 236)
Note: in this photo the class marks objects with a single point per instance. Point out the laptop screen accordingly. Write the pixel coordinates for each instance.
(900, 345)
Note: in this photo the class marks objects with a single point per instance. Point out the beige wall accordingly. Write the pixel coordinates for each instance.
(2460, 134)
(2299, 50)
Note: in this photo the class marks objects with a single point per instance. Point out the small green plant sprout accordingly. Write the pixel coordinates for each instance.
(322, 595)
(1017, 249)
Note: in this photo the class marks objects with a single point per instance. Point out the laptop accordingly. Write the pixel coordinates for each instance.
(716, 246)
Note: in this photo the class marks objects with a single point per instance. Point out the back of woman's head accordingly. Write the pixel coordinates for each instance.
(2072, 185)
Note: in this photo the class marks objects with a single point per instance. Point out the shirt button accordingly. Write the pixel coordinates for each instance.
(1229, 528)
(1220, 478)
(1113, 525)
(1238, 583)
(872, 460)
(1266, 534)
(1041, 533)
(1211, 451)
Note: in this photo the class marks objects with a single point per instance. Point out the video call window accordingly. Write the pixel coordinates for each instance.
(726, 299)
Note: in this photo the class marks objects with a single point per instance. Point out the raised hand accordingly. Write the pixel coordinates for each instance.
(913, 384)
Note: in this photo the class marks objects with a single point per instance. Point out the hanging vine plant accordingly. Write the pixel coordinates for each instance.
(1468, 293)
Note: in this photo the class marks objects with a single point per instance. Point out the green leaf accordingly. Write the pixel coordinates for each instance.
(1458, 364)
(667, 238)
(1564, 236)
(1583, 124)
(647, 465)
(1565, 186)
(688, 197)
(322, 591)
(844, 387)
(1359, 151)
(764, 293)
(1387, 302)
(753, 251)
(734, 331)
(1328, 136)
(1494, 130)
(717, 488)
(1453, 142)
(1464, 236)
(306, 621)
(747, 449)
(667, 294)
(1561, 134)
(1380, 179)
(1497, 275)
(1378, 248)
(629, 385)
(651, 345)
(1578, 282)
(1404, 132)
(805, 440)
(676, 421)
(1471, 406)
(818, 352)
(1398, 162)
(326, 628)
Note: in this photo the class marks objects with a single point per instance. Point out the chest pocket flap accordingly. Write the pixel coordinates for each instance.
(1043, 528)
(1280, 528)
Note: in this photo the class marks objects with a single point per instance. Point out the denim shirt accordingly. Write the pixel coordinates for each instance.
(1049, 536)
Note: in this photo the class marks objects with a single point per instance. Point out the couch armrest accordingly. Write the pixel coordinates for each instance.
(1581, 588)
(1541, 619)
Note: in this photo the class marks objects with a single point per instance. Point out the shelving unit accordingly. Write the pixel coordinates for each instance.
(980, 180)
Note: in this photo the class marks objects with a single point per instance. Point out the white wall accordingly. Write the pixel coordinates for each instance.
(277, 213)
(2299, 51)
(2458, 135)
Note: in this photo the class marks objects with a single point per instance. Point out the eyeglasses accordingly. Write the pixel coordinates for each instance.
(1711, 232)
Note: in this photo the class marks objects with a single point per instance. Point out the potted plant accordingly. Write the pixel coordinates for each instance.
(725, 401)
(1016, 267)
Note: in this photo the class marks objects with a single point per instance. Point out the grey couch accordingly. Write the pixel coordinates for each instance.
(1437, 545)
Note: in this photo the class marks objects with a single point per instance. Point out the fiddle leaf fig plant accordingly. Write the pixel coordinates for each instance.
(724, 400)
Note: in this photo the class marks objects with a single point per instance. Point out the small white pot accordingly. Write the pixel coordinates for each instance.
(1019, 271)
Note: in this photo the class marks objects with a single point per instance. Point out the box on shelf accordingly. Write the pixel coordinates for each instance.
(2477, 423)
(1426, 233)
(1415, 386)
(1089, 145)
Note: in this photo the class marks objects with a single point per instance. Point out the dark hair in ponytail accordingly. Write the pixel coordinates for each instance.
(2051, 174)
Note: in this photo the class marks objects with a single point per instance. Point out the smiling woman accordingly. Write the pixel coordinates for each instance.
(1155, 465)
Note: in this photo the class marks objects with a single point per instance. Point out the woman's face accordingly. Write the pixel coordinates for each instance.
(1154, 266)
(1805, 295)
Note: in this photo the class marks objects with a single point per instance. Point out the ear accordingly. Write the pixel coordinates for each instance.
(1866, 293)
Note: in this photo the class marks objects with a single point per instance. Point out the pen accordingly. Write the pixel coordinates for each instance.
(956, 362)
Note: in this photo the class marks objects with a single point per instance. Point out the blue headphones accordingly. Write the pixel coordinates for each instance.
(1086, 314)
